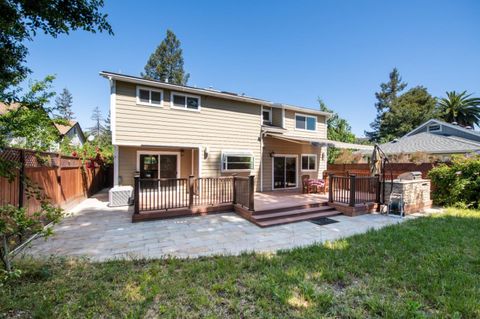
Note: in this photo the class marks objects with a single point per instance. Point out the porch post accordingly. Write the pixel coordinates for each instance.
(377, 199)
(190, 191)
(115, 165)
(136, 195)
(330, 187)
(234, 190)
(352, 191)
(251, 192)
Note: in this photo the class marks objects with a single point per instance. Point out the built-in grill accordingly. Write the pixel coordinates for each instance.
(410, 176)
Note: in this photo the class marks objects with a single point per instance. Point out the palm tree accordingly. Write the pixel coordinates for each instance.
(460, 108)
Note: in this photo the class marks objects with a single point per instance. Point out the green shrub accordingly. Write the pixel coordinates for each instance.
(457, 184)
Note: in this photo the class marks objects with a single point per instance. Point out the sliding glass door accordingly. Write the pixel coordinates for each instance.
(284, 171)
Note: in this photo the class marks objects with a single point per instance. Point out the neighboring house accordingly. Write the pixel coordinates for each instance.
(162, 130)
(436, 138)
(73, 132)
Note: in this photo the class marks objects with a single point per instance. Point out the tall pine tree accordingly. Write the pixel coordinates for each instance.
(385, 98)
(166, 63)
(97, 129)
(63, 105)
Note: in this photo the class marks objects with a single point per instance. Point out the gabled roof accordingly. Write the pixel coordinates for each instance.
(63, 129)
(434, 121)
(430, 143)
(209, 92)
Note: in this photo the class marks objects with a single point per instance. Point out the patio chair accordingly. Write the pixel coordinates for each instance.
(305, 184)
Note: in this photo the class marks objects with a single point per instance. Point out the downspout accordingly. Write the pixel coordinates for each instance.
(261, 160)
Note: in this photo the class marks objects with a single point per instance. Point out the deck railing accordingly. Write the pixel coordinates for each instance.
(244, 191)
(210, 191)
(353, 190)
(173, 193)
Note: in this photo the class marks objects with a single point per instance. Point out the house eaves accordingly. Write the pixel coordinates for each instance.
(209, 92)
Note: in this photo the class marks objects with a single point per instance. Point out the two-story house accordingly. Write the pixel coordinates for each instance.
(162, 130)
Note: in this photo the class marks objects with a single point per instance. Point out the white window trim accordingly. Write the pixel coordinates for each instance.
(159, 153)
(186, 96)
(439, 125)
(309, 170)
(236, 153)
(269, 115)
(297, 170)
(149, 96)
(306, 116)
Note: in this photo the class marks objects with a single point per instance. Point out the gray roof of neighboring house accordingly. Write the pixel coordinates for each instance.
(453, 126)
(430, 143)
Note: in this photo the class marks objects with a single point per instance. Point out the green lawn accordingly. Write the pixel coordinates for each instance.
(421, 268)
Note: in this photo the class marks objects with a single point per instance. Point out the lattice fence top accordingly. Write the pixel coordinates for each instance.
(39, 159)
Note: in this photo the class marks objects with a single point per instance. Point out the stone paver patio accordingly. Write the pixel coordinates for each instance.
(100, 233)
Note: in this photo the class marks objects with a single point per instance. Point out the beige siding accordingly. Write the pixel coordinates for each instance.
(127, 162)
(288, 148)
(292, 131)
(277, 114)
(220, 125)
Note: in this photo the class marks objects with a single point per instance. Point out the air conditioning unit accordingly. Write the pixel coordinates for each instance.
(120, 196)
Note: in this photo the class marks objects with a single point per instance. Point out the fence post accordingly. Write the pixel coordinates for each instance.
(377, 196)
(330, 187)
(251, 192)
(234, 190)
(352, 190)
(21, 180)
(190, 191)
(136, 195)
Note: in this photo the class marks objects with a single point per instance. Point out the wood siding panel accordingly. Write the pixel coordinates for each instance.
(220, 125)
(290, 126)
(284, 147)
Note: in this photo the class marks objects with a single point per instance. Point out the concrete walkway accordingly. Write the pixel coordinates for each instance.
(101, 233)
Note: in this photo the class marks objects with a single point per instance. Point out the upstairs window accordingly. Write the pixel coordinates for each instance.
(237, 161)
(185, 102)
(147, 96)
(309, 162)
(267, 116)
(305, 122)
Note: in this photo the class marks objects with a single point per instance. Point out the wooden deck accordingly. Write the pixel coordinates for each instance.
(283, 199)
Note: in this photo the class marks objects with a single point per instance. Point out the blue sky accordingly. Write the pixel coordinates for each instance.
(284, 51)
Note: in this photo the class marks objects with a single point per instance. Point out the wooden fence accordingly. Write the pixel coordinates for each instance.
(62, 179)
(364, 169)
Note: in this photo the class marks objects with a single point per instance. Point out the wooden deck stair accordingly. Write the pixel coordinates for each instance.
(286, 215)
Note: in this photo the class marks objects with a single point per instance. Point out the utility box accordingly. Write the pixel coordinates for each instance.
(120, 196)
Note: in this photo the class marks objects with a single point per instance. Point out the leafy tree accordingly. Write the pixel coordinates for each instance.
(97, 129)
(408, 111)
(338, 129)
(20, 22)
(166, 63)
(64, 105)
(29, 123)
(460, 108)
(385, 98)
(397, 114)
